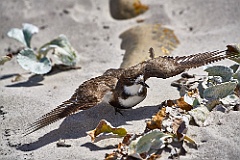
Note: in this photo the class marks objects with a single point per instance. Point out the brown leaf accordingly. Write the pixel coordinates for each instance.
(111, 156)
(106, 127)
(176, 123)
(183, 105)
(4, 59)
(154, 156)
(143, 155)
(127, 139)
(17, 78)
(237, 90)
(180, 103)
(156, 121)
(179, 127)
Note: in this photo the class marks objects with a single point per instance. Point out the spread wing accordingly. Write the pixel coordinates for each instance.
(89, 94)
(165, 67)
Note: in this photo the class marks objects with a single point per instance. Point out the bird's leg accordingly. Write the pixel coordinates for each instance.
(117, 110)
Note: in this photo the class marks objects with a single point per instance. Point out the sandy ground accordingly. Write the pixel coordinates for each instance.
(200, 26)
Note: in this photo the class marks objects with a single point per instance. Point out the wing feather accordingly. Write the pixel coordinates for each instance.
(89, 94)
(167, 66)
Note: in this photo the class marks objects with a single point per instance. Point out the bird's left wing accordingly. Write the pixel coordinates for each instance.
(165, 67)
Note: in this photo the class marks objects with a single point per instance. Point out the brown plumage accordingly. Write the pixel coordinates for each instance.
(88, 94)
(166, 66)
(109, 86)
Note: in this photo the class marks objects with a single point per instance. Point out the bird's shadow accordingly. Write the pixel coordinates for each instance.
(33, 80)
(76, 126)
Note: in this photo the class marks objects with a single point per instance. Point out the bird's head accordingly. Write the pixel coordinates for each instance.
(135, 80)
(141, 80)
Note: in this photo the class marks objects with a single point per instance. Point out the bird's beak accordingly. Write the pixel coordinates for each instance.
(143, 84)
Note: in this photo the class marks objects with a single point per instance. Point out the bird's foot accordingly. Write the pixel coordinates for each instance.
(117, 110)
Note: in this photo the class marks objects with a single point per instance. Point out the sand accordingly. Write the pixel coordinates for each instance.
(199, 26)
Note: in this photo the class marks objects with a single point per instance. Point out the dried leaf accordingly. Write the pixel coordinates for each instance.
(156, 121)
(128, 138)
(106, 127)
(190, 141)
(4, 59)
(192, 97)
(154, 156)
(219, 91)
(28, 61)
(176, 124)
(111, 156)
(223, 71)
(17, 78)
(180, 126)
(187, 102)
(237, 91)
(181, 103)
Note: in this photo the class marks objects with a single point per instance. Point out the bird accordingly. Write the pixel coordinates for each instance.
(124, 88)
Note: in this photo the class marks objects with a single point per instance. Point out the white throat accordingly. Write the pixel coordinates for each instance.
(133, 89)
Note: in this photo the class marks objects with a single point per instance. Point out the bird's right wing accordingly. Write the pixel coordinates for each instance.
(89, 94)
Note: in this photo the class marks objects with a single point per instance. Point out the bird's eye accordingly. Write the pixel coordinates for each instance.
(131, 79)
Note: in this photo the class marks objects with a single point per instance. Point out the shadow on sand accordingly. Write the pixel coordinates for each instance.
(76, 126)
(34, 80)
